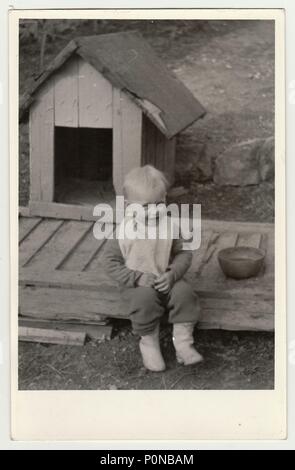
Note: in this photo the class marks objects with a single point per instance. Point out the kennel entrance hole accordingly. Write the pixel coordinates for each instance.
(83, 165)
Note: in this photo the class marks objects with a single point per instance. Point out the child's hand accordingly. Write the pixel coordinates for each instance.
(165, 282)
(146, 280)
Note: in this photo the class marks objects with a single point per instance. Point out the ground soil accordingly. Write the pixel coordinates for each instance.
(229, 66)
(240, 360)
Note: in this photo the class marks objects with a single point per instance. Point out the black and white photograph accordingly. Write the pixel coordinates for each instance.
(154, 113)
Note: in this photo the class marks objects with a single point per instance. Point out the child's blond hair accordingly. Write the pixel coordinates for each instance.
(145, 184)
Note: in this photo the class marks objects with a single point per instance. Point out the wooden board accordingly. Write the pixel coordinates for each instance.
(60, 245)
(35, 151)
(94, 332)
(77, 212)
(68, 304)
(34, 242)
(131, 122)
(97, 262)
(61, 211)
(42, 146)
(170, 155)
(98, 281)
(229, 301)
(95, 98)
(199, 255)
(211, 269)
(250, 239)
(77, 280)
(127, 127)
(65, 85)
(93, 260)
(237, 227)
(157, 150)
(24, 211)
(65, 278)
(41, 335)
(234, 320)
(85, 252)
(27, 225)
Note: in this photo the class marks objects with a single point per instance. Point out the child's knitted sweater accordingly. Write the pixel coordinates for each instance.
(127, 260)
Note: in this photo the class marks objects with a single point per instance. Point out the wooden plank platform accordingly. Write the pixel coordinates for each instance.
(62, 276)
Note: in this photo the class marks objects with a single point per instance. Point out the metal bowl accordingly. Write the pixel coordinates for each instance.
(241, 262)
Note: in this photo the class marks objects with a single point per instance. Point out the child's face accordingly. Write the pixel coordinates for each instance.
(150, 212)
(146, 205)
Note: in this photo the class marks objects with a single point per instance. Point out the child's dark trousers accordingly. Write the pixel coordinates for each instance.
(146, 306)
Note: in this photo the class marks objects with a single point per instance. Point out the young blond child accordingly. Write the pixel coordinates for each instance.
(150, 273)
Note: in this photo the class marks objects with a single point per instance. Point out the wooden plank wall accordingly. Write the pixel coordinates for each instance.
(42, 145)
(95, 98)
(65, 84)
(77, 95)
(117, 142)
(127, 128)
(170, 153)
(157, 150)
(83, 97)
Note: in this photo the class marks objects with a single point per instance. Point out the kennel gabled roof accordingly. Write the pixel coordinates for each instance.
(129, 63)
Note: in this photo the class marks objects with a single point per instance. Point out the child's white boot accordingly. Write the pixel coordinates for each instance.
(184, 344)
(151, 353)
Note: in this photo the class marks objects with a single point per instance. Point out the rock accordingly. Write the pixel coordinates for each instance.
(239, 165)
(179, 191)
(193, 161)
(267, 160)
(203, 163)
